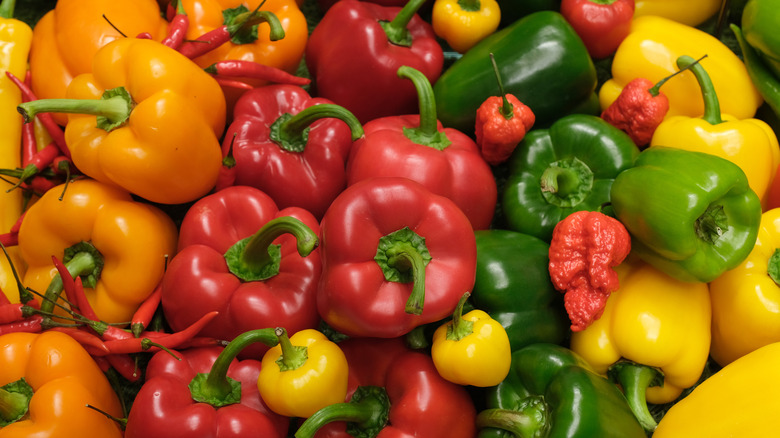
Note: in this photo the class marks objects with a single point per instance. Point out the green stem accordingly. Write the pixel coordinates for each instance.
(635, 379)
(112, 109)
(396, 30)
(525, 422)
(406, 255)
(291, 132)
(7, 8)
(293, 356)
(470, 5)
(560, 180)
(459, 328)
(86, 262)
(240, 25)
(655, 90)
(367, 414)
(773, 267)
(566, 182)
(507, 109)
(403, 256)
(427, 134)
(711, 103)
(215, 387)
(14, 401)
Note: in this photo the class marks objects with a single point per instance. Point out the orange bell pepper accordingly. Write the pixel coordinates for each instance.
(63, 380)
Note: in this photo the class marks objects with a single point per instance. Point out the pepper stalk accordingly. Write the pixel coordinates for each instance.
(427, 133)
(291, 132)
(403, 256)
(366, 414)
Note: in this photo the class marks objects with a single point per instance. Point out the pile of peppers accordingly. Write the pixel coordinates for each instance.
(389, 218)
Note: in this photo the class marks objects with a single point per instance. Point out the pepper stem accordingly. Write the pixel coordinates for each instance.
(459, 328)
(566, 183)
(531, 417)
(403, 256)
(81, 260)
(112, 109)
(241, 24)
(427, 134)
(7, 8)
(293, 356)
(470, 5)
(14, 401)
(291, 132)
(215, 387)
(635, 379)
(507, 109)
(711, 103)
(773, 267)
(367, 414)
(655, 90)
(396, 30)
(256, 258)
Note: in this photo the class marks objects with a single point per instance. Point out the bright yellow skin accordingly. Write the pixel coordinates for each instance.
(64, 379)
(690, 12)
(653, 320)
(746, 301)
(651, 50)
(320, 381)
(481, 358)
(461, 28)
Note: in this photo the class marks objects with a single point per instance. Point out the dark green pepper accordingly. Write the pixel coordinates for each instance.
(566, 168)
(513, 286)
(767, 84)
(552, 392)
(541, 60)
(690, 214)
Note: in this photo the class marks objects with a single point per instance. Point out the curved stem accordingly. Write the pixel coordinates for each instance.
(82, 263)
(244, 21)
(396, 30)
(403, 256)
(293, 356)
(560, 180)
(525, 422)
(507, 109)
(655, 90)
(112, 109)
(635, 379)
(459, 328)
(427, 133)
(7, 8)
(368, 410)
(290, 132)
(711, 103)
(407, 255)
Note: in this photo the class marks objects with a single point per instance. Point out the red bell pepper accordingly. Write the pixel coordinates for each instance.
(393, 392)
(445, 160)
(206, 393)
(601, 24)
(354, 52)
(291, 146)
(394, 256)
(251, 282)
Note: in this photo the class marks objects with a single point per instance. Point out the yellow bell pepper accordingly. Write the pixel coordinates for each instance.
(746, 299)
(656, 322)
(740, 400)
(690, 12)
(471, 349)
(749, 143)
(651, 50)
(464, 23)
(303, 374)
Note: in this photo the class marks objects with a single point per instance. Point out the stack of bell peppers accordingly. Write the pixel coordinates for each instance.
(389, 218)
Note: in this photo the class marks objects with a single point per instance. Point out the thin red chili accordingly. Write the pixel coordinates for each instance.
(31, 324)
(167, 340)
(3, 298)
(39, 184)
(29, 143)
(144, 36)
(125, 365)
(227, 172)
(177, 29)
(69, 288)
(11, 312)
(39, 161)
(221, 35)
(232, 83)
(255, 70)
(143, 315)
(102, 363)
(89, 341)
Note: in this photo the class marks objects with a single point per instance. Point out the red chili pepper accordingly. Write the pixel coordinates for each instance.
(93, 344)
(102, 363)
(177, 28)
(29, 143)
(233, 83)
(11, 312)
(228, 171)
(254, 70)
(31, 324)
(585, 246)
(39, 185)
(54, 130)
(151, 341)
(125, 365)
(143, 315)
(601, 24)
(3, 298)
(69, 288)
(144, 36)
(39, 161)
(221, 35)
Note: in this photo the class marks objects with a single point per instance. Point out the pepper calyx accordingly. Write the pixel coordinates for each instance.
(531, 418)
(366, 414)
(14, 401)
(402, 255)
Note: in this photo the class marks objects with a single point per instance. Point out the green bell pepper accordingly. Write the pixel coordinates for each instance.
(552, 392)
(541, 60)
(690, 214)
(760, 19)
(566, 168)
(513, 286)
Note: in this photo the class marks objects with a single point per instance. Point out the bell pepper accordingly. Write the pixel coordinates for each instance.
(462, 24)
(205, 392)
(156, 135)
(738, 400)
(566, 168)
(356, 49)
(446, 161)
(745, 299)
(48, 383)
(758, 20)
(392, 392)
(653, 337)
(116, 244)
(551, 391)
(651, 50)
(240, 255)
(749, 143)
(691, 13)
(766, 82)
(394, 256)
(66, 39)
(602, 24)
(542, 61)
(292, 146)
(513, 286)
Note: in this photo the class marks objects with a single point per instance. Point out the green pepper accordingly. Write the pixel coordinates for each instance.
(690, 214)
(513, 286)
(541, 60)
(552, 392)
(759, 27)
(767, 84)
(566, 168)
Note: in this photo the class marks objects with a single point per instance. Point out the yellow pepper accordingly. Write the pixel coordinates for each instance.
(471, 349)
(651, 50)
(15, 40)
(64, 380)
(690, 12)
(749, 143)
(303, 374)
(740, 400)
(656, 322)
(464, 23)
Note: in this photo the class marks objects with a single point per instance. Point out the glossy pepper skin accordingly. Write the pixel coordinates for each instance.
(370, 236)
(133, 239)
(462, 24)
(64, 379)
(765, 80)
(537, 398)
(691, 214)
(513, 286)
(353, 60)
(692, 13)
(541, 60)
(602, 24)
(199, 280)
(638, 110)
(566, 168)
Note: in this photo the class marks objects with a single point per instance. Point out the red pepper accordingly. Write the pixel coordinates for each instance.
(446, 161)
(47, 120)
(177, 28)
(394, 256)
(206, 394)
(249, 287)
(585, 246)
(291, 146)
(397, 393)
(601, 24)
(355, 50)
(254, 70)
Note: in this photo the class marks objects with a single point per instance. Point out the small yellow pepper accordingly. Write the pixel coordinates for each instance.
(303, 374)
(464, 23)
(471, 349)
(690, 12)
